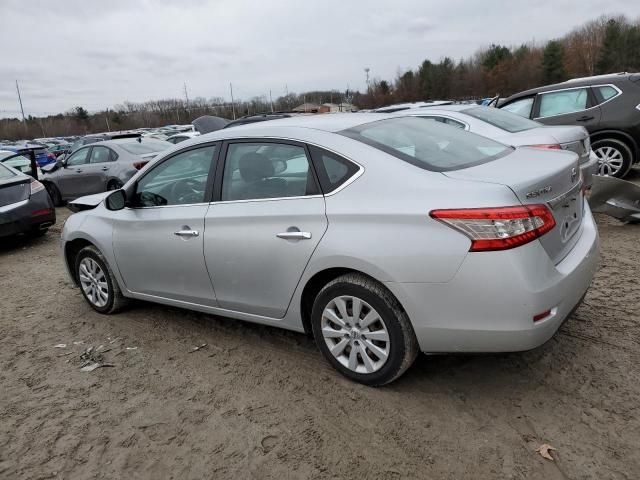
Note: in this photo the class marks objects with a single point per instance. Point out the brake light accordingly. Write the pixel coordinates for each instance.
(548, 146)
(498, 228)
(51, 156)
(138, 165)
(36, 186)
(43, 211)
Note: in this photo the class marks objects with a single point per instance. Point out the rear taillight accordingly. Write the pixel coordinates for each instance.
(498, 228)
(548, 146)
(138, 165)
(36, 186)
(51, 156)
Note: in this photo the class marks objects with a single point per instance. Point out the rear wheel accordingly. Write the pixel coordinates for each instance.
(97, 282)
(614, 157)
(362, 330)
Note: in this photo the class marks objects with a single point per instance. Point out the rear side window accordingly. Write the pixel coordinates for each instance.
(429, 145)
(562, 102)
(605, 92)
(145, 146)
(333, 170)
(504, 120)
(448, 121)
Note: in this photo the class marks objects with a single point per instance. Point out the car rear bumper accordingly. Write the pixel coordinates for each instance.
(35, 213)
(589, 169)
(490, 304)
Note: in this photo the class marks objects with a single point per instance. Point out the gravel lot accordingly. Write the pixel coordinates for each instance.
(259, 402)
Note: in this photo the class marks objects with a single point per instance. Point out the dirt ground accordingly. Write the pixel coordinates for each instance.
(259, 402)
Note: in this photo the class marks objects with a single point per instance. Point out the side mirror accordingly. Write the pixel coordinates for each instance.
(116, 201)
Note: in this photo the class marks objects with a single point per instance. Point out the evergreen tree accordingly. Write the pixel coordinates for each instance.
(553, 63)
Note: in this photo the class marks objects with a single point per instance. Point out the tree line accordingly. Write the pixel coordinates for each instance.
(605, 45)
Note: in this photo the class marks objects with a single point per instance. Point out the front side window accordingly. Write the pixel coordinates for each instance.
(562, 102)
(503, 120)
(180, 180)
(101, 155)
(428, 145)
(78, 158)
(266, 170)
(520, 107)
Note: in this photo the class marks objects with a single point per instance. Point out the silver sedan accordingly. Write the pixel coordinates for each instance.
(380, 235)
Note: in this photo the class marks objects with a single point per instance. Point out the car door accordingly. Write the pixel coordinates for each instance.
(571, 106)
(71, 176)
(267, 218)
(158, 238)
(96, 171)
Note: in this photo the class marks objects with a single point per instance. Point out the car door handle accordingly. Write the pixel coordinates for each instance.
(78, 170)
(295, 235)
(104, 169)
(584, 118)
(186, 233)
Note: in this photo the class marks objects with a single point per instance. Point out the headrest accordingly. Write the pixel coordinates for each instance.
(255, 166)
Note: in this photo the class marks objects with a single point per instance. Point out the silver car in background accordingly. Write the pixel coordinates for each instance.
(514, 130)
(99, 167)
(381, 235)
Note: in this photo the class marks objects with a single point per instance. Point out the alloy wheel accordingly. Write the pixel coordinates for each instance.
(610, 161)
(355, 334)
(93, 281)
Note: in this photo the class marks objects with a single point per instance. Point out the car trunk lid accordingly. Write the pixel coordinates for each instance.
(570, 138)
(14, 190)
(540, 177)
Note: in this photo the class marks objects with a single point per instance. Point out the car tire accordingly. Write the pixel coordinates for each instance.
(114, 185)
(362, 330)
(614, 157)
(54, 193)
(97, 282)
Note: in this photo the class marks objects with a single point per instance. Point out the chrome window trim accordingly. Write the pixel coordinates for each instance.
(344, 185)
(585, 87)
(12, 206)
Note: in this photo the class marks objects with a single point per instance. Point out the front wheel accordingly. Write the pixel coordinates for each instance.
(614, 157)
(114, 185)
(97, 282)
(54, 193)
(362, 330)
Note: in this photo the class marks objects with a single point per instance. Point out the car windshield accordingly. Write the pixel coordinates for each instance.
(145, 146)
(502, 119)
(429, 145)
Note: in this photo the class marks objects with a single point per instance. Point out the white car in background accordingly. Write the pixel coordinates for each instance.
(513, 130)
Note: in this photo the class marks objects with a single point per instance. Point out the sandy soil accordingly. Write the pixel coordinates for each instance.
(259, 402)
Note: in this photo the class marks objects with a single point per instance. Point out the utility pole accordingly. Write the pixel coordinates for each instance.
(271, 100)
(20, 100)
(106, 119)
(366, 71)
(233, 107)
(186, 96)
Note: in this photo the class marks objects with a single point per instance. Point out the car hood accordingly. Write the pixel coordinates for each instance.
(88, 202)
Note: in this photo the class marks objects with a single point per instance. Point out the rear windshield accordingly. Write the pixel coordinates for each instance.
(5, 173)
(429, 145)
(145, 146)
(502, 119)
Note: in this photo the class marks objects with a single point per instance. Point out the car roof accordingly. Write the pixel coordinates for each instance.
(575, 82)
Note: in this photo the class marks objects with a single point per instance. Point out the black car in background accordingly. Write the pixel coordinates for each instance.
(608, 106)
(25, 205)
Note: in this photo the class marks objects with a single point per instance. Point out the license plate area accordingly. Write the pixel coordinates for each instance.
(568, 209)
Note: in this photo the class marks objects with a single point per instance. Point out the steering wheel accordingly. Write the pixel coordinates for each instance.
(187, 190)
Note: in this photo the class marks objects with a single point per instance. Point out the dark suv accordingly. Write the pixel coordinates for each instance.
(608, 106)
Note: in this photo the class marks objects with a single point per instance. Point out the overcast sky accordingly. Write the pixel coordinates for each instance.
(101, 53)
